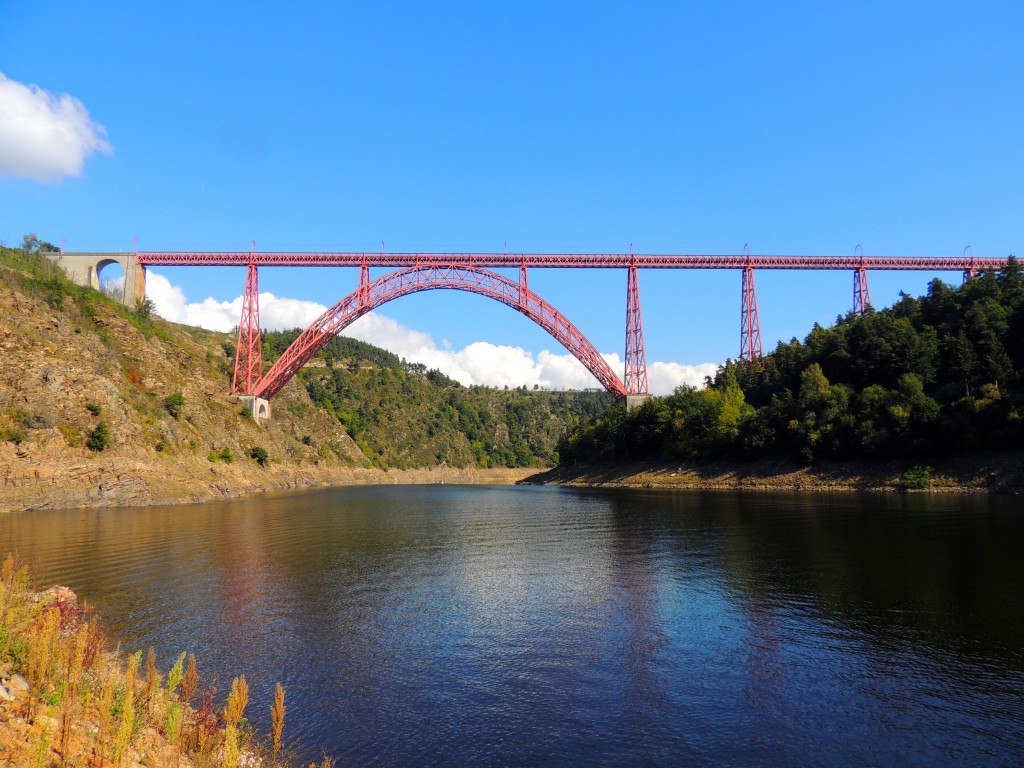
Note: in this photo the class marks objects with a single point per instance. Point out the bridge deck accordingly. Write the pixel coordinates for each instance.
(565, 260)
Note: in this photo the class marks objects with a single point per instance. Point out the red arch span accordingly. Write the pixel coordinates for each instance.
(371, 295)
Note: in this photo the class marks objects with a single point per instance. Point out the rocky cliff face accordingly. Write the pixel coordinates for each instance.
(73, 360)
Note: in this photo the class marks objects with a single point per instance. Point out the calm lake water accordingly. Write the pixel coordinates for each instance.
(448, 625)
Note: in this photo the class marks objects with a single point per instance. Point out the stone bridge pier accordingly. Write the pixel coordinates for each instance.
(84, 269)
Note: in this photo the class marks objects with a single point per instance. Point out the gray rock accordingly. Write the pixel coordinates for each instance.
(17, 683)
(4, 695)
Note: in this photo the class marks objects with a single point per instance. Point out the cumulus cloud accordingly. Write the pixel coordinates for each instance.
(45, 137)
(663, 378)
(481, 362)
(276, 313)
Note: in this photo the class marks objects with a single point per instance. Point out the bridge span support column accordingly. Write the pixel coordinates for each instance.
(750, 320)
(861, 291)
(636, 358)
(249, 355)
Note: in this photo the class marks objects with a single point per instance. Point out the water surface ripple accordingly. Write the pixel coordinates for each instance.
(447, 625)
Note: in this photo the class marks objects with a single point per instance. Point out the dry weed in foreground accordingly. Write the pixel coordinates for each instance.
(277, 722)
(89, 707)
(237, 701)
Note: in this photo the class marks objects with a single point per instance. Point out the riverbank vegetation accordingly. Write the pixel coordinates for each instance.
(68, 699)
(921, 380)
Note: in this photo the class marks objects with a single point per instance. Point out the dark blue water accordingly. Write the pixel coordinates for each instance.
(442, 625)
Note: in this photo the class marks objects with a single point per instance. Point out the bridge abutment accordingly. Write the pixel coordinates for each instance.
(258, 407)
(84, 269)
(635, 401)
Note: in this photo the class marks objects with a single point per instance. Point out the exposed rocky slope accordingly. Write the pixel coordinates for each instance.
(73, 359)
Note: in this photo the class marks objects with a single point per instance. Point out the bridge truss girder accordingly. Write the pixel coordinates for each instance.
(372, 294)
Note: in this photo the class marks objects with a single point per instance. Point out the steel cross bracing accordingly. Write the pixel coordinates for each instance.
(249, 361)
(636, 357)
(565, 260)
(861, 291)
(249, 355)
(750, 320)
(402, 282)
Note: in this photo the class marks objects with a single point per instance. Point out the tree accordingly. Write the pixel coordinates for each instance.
(174, 403)
(259, 455)
(32, 244)
(99, 438)
(144, 308)
(965, 360)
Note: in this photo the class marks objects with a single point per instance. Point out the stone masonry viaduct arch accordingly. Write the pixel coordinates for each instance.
(84, 269)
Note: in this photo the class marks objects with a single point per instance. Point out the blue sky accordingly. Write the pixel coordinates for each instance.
(799, 128)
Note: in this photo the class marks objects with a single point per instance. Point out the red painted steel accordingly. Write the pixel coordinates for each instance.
(750, 334)
(750, 319)
(861, 291)
(636, 358)
(249, 356)
(427, 277)
(567, 260)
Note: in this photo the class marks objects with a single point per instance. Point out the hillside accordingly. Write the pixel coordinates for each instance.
(403, 415)
(101, 404)
(931, 381)
(75, 360)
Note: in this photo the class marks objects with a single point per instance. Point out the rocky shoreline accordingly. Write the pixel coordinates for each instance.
(981, 472)
(101, 481)
(93, 482)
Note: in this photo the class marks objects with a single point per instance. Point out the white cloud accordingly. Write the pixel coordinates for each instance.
(275, 313)
(663, 378)
(45, 137)
(478, 363)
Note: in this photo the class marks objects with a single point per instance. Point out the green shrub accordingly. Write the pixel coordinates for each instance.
(259, 455)
(212, 456)
(918, 477)
(54, 297)
(99, 438)
(94, 408)
(144, 309)
(160, 446)
(12, 436)
(226, 455)
(174, 403)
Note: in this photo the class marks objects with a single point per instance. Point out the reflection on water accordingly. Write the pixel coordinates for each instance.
(527, 626)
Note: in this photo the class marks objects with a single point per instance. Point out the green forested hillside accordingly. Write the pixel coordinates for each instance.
(929, 376)
(403, 415)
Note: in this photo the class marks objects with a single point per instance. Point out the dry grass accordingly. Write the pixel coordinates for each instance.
(277, 723)
(90, 706)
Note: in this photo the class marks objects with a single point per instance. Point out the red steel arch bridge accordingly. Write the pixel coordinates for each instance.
(472, 272)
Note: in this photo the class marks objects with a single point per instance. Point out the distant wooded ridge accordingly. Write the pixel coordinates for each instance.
(927, 377)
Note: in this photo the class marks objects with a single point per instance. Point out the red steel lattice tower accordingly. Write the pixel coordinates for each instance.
(636, 358)
(861, 291)
(750, 320)
(249, 357)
